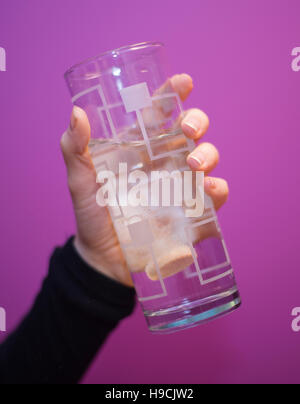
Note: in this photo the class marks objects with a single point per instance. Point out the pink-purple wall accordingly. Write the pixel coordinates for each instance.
(239, 54)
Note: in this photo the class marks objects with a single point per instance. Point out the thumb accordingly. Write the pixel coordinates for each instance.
(75, 140)
(74, 146)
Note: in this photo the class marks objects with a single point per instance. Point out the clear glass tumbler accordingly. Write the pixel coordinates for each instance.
(179, 264)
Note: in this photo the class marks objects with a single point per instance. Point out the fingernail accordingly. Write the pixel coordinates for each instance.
(191, 127)
(209, 184)
(74, 118)
(196, 161)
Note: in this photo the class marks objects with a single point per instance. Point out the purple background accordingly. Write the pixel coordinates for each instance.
(239, 54)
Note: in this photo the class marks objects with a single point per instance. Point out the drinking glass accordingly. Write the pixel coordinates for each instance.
(178, 260)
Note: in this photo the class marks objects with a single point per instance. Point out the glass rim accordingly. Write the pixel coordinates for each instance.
(114, 52)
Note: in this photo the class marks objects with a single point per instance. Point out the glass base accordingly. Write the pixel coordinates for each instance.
(191, 314)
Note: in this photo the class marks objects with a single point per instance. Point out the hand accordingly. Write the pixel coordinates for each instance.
(96, 241)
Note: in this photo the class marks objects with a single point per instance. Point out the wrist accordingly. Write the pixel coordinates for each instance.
(95, 260)
(90, 256)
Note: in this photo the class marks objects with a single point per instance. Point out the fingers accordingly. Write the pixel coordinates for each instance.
(75, 140)
(195, 124)
(163, 107)
(217, 189)
(204, 158)
(74, 145)
(182, 85)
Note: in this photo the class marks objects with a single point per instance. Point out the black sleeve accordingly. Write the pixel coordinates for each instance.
(73, 314)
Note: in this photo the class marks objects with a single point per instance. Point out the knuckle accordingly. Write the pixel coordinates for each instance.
(217, 154)
(63, 142)
(207, 119)
(201, 114)
(225, 188)
(72, 184)
(210, 148)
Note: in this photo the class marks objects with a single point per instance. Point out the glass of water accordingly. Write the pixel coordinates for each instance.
(174, 250)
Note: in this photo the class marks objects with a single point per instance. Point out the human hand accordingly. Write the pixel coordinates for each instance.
(96, 240)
